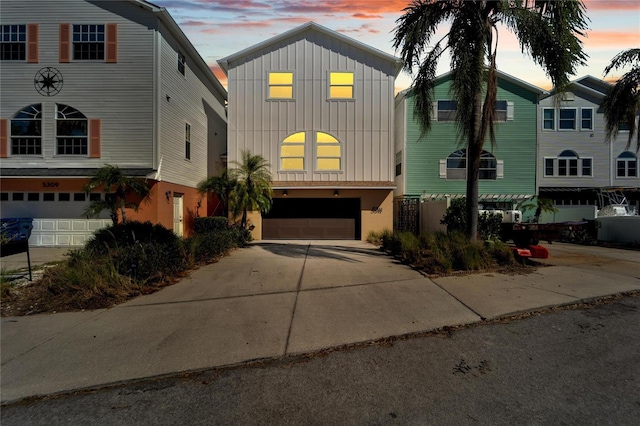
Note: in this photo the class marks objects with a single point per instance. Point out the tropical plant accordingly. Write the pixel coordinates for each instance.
(253, 189)
(547, 30)
(622, 104)
(222, 185)
(541, 205)
(120, 190)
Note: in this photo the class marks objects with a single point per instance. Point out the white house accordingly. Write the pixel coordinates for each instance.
(318, 106)
(88, 83)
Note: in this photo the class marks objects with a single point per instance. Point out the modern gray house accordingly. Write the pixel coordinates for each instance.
(318, 106)
(88, 83)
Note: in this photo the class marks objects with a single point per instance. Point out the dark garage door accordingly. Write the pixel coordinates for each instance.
(313, 218)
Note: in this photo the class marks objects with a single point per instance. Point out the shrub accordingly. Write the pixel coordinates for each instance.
(409, 247)
(128, 234)
(455, 217)
(204, 225)
(149, 262)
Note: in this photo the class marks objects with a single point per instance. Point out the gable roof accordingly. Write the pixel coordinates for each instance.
(588, 84)
(503, 75)
(311, 26)
(176, 31)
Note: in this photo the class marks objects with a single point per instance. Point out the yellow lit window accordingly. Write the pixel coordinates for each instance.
(292, 152)
(281, 85)
(341, 85)
(328, 152)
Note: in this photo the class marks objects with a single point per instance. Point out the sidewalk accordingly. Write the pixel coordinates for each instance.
(276, 299)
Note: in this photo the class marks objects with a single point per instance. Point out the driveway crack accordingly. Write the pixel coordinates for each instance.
(295, 302)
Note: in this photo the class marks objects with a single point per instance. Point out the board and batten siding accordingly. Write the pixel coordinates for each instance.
(364, 125)
(586, 143)
(191, 99)
(515, 146)
(119, 94)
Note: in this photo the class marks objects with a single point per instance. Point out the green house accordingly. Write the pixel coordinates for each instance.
(431, 168)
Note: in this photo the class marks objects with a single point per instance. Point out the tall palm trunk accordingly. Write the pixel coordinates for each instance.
(474, 151)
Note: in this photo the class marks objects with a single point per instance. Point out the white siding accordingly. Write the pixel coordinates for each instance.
(119, 94)
(364, 126)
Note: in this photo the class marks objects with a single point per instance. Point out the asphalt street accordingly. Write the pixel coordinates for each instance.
(563, 366)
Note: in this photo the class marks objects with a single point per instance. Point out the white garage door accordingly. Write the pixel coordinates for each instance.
(57, 217)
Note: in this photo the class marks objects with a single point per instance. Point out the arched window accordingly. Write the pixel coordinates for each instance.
(627, 165)
(26, 131)
(72, 129)
(328, 152)
(457, 166)
(292, 152)
(568, 163)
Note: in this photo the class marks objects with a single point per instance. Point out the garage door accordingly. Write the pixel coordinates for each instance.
(313, 218)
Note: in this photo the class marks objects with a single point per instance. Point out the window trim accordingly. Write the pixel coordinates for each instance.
(284, 143)
(23, 53)
(575, 119)
(187, 141)
(352, 85)
(553, 120)
(182, 63)
(269, 85)
(497, 170)
(36, 111)
(318, 157)
(580, 166)
(587, 129)
(96, 43)
(626, 159)
(84, 140)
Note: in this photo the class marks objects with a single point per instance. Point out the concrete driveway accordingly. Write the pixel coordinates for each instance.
(274, 299)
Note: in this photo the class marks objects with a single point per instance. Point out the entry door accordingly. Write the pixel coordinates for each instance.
(177, 215)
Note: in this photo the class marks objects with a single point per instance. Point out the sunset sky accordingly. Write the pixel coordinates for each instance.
(218, 28)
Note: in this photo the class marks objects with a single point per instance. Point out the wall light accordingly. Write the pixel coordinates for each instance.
(168, 98)
(285, 193)
(168, 195)
(336, 193)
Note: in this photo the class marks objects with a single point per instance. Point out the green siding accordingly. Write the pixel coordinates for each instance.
(515, 146)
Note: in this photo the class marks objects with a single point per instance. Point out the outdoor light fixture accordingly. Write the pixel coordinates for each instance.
(336, 193)
(168, 195)
(284, 193)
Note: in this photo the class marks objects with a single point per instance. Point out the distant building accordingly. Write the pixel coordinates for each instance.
(575, 164)
(89, 83)
(432, 168)
(318, 106)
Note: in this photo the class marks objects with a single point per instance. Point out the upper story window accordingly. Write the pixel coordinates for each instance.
(292, 152)
(568, 163)
(88, 42)
(341, 85)
(548, 119)
(627, 165)
(26, 131)
(280, 85)
(447, 110)
(586, 119)
(328, 151)
(501, 111)
(72, 129)
(456, 165)
(13, 42)
(182, 60)
(567, 119)
(187, 141)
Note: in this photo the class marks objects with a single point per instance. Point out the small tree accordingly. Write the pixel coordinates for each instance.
(622, 103)
(222, 185)
(489, 224)
(118, 188)
(253, 189)
(541, 205)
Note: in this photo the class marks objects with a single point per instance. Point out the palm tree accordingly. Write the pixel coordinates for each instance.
(222, 185)
(118, 188)
(547, 30)
(622, 104)
(253, 189)
(541, 205)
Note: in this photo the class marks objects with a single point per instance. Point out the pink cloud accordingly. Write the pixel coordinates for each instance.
(365, 16)
(612, 5)
(599, 38)
(220, 75)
